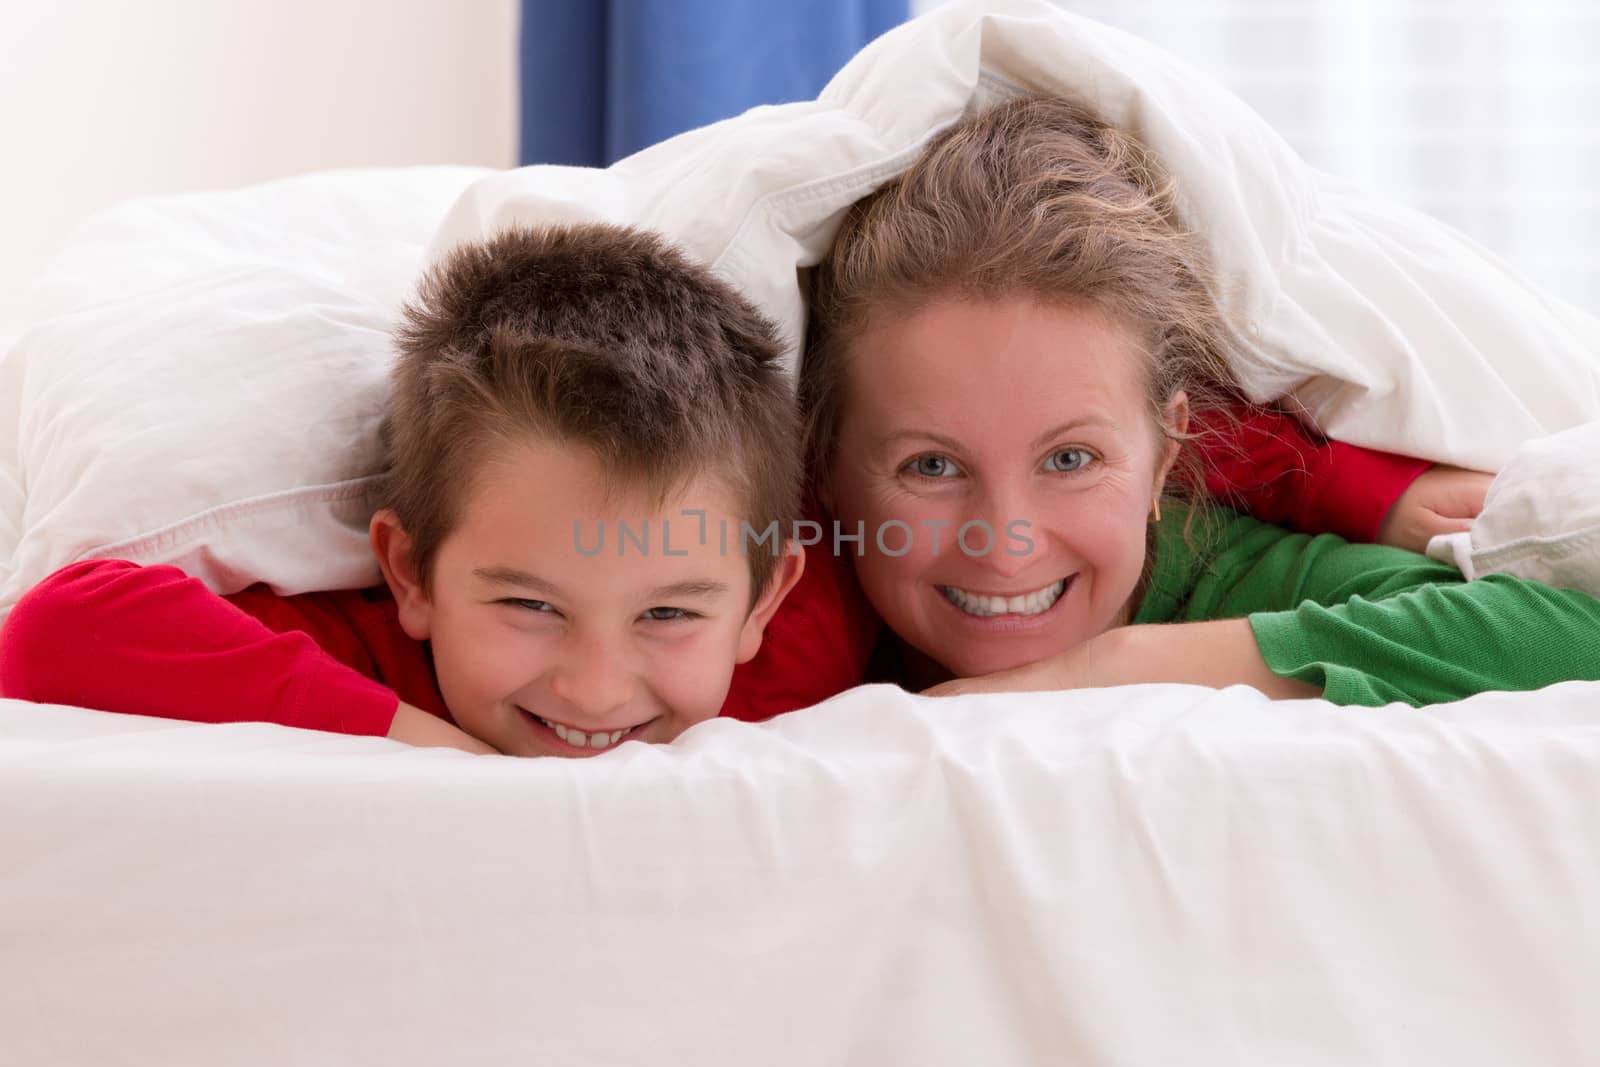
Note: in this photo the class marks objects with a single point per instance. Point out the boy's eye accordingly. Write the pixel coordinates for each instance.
(933, 465)
(667, 614)
(529, 605)
(1068, 460)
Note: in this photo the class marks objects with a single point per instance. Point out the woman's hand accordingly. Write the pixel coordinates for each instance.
(1217, 653)
(417, 727)
(1442, 500)
(1072, 669)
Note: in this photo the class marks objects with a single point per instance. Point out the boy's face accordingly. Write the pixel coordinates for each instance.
(544, 645)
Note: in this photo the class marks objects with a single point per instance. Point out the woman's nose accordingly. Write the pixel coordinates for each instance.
(1001, 535)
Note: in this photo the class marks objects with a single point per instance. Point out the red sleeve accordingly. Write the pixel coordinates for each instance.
(1267, 463)
(115, 636)
(816, 646)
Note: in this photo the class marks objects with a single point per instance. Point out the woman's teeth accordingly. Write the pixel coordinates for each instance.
(989, 606)
(583, 740)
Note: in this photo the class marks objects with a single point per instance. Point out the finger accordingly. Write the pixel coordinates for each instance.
(1446, 524)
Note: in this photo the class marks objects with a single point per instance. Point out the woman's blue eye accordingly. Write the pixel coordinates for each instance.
(666, 614)
(934, 466)
(1068, 460)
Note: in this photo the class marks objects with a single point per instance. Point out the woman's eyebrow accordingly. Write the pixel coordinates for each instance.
(897, 436)
(1070, 425)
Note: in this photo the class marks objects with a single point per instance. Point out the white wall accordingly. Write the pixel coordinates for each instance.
(106, 99)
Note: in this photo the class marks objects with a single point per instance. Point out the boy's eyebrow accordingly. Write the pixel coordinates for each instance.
(520, 579)
(524, 580)
(702, 587)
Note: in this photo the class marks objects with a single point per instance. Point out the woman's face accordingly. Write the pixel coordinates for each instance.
(1026, 425)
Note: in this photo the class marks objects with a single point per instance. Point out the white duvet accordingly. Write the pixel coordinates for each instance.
(1157, 874)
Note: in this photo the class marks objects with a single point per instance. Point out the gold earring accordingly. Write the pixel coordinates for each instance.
(1155, 508)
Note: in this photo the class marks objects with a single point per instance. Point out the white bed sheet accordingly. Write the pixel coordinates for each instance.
(1149, 875)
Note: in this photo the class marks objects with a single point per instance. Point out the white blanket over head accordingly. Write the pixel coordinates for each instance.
(1393, 330)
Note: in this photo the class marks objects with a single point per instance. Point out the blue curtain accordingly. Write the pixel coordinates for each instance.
(602, 79)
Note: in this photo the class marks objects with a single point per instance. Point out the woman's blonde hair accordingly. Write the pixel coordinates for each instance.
(1034, 196)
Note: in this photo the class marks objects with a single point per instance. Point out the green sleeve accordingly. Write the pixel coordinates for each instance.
(1435, 643)
(1374, 625)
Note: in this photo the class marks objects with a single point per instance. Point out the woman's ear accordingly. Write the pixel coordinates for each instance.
(1175, 423)
(392, 545)
(791, 564)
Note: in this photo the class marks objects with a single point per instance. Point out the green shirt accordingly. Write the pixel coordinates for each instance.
(1368, 623)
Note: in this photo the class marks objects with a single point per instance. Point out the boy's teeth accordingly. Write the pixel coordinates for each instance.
(581, 739)
(988, 606)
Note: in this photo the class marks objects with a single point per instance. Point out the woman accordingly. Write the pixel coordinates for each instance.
(1018, 336)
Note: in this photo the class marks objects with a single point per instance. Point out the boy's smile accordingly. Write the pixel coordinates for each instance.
(568, 613)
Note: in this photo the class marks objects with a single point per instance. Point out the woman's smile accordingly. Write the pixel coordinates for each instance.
(1002, 605)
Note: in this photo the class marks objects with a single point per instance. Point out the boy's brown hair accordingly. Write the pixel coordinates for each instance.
(593, 335)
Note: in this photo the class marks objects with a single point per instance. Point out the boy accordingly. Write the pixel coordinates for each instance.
(579, 417)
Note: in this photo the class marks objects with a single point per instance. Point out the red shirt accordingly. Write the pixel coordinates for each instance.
(118, 636)
(1266, 463)
(151, 641)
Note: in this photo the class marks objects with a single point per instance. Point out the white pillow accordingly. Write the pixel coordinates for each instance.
(205, 386)
(1541, 519)
(203, 383)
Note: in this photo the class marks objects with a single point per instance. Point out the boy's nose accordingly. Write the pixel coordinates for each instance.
(594, 680)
